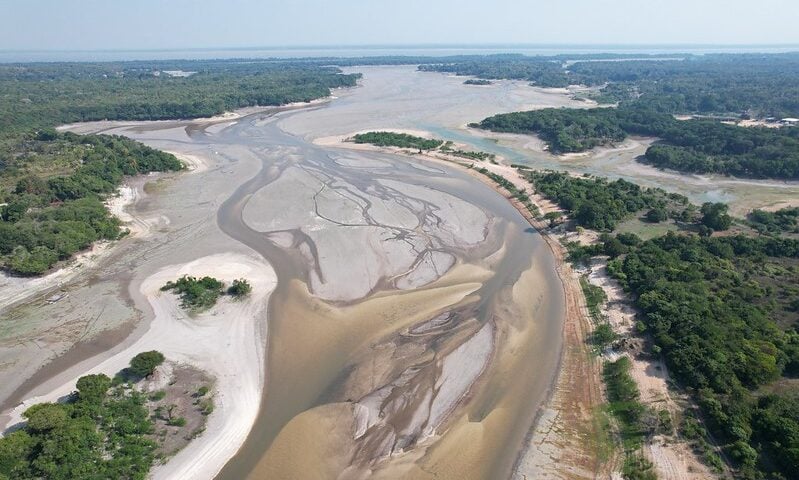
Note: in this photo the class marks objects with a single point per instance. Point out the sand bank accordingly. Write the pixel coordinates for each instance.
(227, 342)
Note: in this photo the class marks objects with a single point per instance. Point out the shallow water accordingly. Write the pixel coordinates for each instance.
(326, 358)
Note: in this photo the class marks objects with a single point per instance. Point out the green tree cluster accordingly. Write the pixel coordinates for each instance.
(401, 140)
(239, 288)
(714, 318)
(196, 293)
(102, 433)
(600, 204)
(145, 363)
(781, 221)
(203, 293)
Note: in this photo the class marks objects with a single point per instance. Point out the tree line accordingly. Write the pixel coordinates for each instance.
(696, 146)
(401, 140)
(599, 204)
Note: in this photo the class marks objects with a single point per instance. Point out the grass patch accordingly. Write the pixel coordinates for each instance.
(647, 230)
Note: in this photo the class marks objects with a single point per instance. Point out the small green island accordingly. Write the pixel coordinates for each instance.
(404, 140)
(199, 294)
(393, 139)
(478, 81)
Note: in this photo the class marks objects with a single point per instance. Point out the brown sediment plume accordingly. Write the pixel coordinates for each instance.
(419, 387)
(320, 342)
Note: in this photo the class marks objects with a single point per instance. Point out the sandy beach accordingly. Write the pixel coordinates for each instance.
(227, 342)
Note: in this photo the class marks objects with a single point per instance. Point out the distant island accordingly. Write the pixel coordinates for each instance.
(478, 81)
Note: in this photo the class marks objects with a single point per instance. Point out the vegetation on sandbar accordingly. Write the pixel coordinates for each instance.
(401, 140)
(203, 293)
(145, 363)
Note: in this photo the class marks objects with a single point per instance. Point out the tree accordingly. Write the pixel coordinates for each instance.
(714, 215)
(604, 335)
(552, 218)
(144, 364)
(32, 262)
(93, 388)
(656, 215)
(239, 288)
(45, 416)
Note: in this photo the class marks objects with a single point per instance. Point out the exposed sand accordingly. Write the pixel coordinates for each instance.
(671, 455)
(326, 352)
(227, 342)
(780, 205)
(375, 230)
(564, 439)
(194, 163)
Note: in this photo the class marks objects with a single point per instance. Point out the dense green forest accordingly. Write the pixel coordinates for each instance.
(56, 183)
(783, 220)
(541, 70)
(401, 140)
(103, 433)
(52, 185)
(44, 95)
(649, 92)
(723, 312)
(564, 130)
(599, 204)
(698, 146)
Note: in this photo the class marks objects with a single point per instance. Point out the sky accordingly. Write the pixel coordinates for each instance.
(186, 24)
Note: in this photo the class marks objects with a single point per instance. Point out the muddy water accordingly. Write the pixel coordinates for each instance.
(327, 359)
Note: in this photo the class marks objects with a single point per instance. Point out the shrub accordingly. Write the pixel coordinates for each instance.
(144, 364)
(239, 288)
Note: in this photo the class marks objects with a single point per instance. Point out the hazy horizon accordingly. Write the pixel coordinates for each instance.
(365, 51)
(93, 25)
